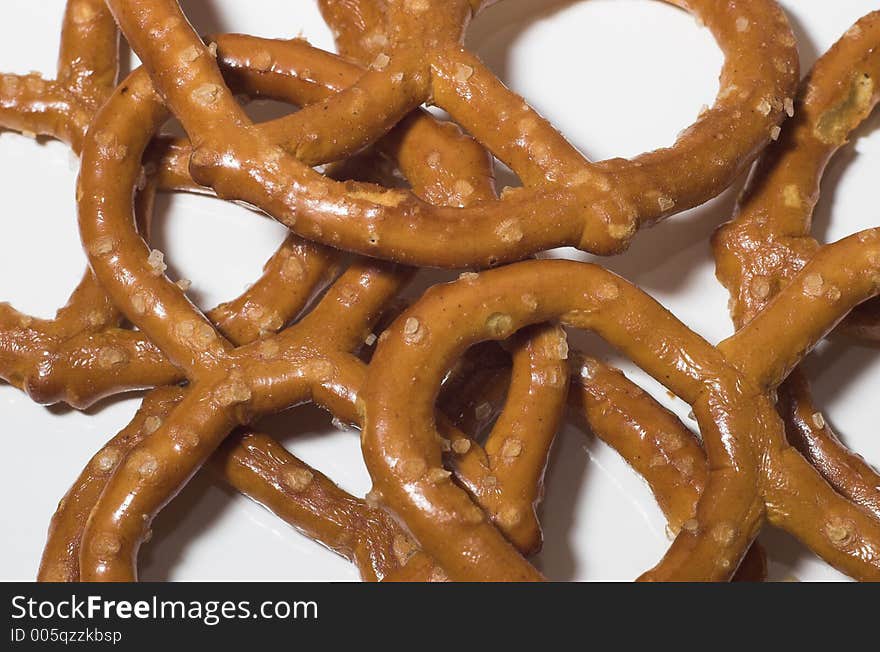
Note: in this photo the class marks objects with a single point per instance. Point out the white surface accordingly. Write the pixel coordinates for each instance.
(618, 77)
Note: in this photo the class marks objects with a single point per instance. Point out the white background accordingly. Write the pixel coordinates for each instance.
(617, 77)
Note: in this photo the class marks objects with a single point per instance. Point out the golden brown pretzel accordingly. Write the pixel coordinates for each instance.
(70, 521)
(307, 361)
(74, 373)
(116, 112)
(769, 239)
(753, 473)
(61, 109)
(80, 355)
(566, 200)
(244, 319)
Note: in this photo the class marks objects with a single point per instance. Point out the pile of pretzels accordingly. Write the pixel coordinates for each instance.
(458, 396)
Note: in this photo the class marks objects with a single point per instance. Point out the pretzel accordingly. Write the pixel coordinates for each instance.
(80, 356)
(52, 567)
(769, 239)
(753, 473)
(222, 378)
(566, 200)
(61, 108)
(116, 112)
(102, 458)
(176, 153)
(244, 320)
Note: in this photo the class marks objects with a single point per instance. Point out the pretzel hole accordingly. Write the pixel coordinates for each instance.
(592, 50)
(41, 260)
(183, 547)
(595, 515)
(219, 246)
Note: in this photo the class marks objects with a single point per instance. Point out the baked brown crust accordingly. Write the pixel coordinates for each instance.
(566, 200)
(769, 240)
(239, 361)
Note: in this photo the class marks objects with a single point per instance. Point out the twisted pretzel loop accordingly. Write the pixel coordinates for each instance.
(222, 378)
(103, 458)
(769, 239)
(749, 474)
(567, 201)
(753, 473)
(86, 486)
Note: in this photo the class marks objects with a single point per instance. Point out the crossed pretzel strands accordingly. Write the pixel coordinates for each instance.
(307, 361)
(74, 374)
(613, 407)
(566, 200)
(753, 473)
(103, 460)
(350, 25)
(273, 278)
(649, 437)
(80, 356)
(267, 445)
(769, 240)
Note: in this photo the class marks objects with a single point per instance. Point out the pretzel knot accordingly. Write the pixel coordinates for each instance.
(312, 360)
(264, 470)
(753, 474)
(769, 240)
(457, 480)
(565, 200)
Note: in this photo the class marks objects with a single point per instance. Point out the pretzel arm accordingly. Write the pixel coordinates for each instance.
(837, 530)
(506, 475)
(650, 438)
(848, 473)
(60, 560)
(769, 240)
(88, 60)
(87, 68)
(31, 105)
(397, 81)
(263, 470)
(654, 442)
